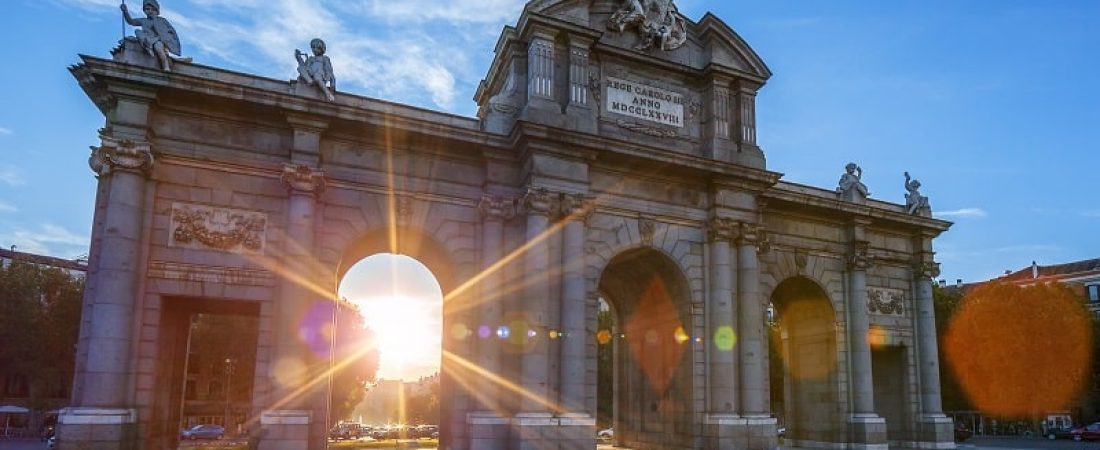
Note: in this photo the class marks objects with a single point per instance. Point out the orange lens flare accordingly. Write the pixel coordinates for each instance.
(1018, 350)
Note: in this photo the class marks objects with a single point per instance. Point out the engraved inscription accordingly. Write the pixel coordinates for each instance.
(644, 102)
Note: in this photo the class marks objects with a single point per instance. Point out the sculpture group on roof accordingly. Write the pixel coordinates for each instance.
(658, 23)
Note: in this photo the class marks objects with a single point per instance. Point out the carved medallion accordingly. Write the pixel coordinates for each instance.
(207, 227)
(657, 22)
(887, 302)
(119, 154)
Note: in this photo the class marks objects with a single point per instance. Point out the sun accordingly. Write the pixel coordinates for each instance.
(402, 303)
(407, 336)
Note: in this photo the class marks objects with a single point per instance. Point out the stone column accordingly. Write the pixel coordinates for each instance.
(534, 417)
(291, 412)
(102, 414)
(755, 404)
(722, 354)
(751, 318)
(935, 427)
(488, 426)
(577, 425)
(866, 426)
(716, 132)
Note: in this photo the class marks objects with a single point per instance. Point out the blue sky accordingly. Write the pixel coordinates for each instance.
(993, 104)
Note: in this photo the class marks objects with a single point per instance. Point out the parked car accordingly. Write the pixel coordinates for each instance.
(1090, 432)
(346, 430)
(1059, 433)
(606, 434)
(204, 431)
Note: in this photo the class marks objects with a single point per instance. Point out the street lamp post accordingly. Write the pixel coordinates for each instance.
(228, 380)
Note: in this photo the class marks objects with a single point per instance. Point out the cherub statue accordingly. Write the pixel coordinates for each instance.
(156, 34)
(317, 69)
(914, 202)
(850, 183)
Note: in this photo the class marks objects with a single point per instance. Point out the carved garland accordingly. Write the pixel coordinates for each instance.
(242, 230)
(645, 129)
(885, 302)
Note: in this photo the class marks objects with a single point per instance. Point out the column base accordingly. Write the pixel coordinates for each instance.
(936, 431)
(534, 431)
(284, 430)
(867, 432)
(576, 431)
(97, 429)
(487, 430)
(730, 431)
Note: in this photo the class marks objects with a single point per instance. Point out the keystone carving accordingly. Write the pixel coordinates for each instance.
(302, 178)
(646, 227)
(115, 154)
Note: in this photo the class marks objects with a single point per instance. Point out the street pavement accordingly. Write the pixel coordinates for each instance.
(976, 443)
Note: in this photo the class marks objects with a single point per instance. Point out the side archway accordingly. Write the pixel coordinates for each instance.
(652, 390)
(807, 355)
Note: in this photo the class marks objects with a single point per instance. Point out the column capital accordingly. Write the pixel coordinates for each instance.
(577, 206)
(117, 154)
(304, 179)
(859, 258)
(495, 207)
(925, 270)
(753, 234)
(539, 201)
(722, 229)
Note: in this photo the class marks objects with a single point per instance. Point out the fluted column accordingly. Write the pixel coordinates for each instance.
(754, 402)
(721, 325)
(534, 373)
(923, 273)
(121, 166)
(863, 402)
(573, 357)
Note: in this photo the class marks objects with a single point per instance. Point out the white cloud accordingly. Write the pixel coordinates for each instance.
(968, 213)
(11, 175)
(48, 239)
(7, 207)
(6, 131)
(454, 11)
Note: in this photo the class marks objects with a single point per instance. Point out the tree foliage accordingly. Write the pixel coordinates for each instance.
(356, 360)
(1019, 351)
(954, 397)
(422, 404)
(216, 338)
(39, 325)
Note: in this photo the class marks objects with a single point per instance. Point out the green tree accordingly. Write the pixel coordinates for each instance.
(39, 325)
(356, 360)
(422, 406)
(946, 301)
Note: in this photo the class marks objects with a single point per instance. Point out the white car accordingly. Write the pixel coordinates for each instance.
(605, 434)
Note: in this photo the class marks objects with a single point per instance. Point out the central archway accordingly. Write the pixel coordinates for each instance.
(649, 297)
(433, 262)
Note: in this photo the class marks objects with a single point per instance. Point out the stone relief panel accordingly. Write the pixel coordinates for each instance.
(886, 302)
(210, 228)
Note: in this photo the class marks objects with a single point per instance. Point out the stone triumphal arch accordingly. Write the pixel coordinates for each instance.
(614, 156)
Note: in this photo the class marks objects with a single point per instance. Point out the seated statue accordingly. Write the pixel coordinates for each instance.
(851, 188)
(316, 70)
(915, 203)
(155, 33)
